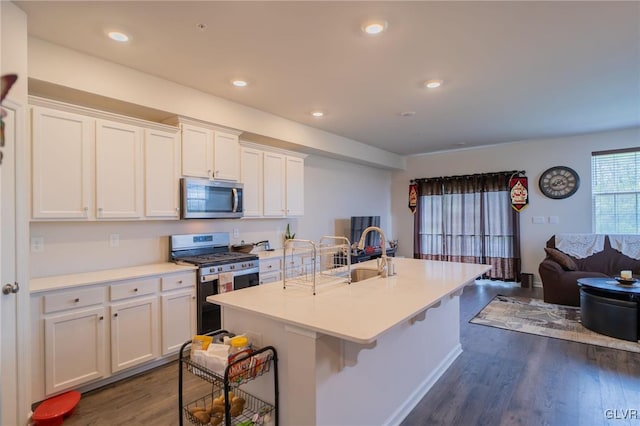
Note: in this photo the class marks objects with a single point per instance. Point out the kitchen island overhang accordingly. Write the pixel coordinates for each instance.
(360, 353)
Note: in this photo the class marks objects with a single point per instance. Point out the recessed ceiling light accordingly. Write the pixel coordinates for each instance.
(239, 83)
(317, 113)
(374, 27)
(432, 84)
(118, 36)
(201, 26)
(407, 113)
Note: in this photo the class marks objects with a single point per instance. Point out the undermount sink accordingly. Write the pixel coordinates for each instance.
(363, 274)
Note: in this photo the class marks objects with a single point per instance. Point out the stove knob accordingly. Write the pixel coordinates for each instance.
(232, 267)
(244, 265)
(219, 268)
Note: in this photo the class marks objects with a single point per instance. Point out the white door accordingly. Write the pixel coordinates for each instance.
(74, 348)
(274, 181)
(295, 186)
(61, 154)
(197, 151)
(8, 302)
(226, 156)
(118, 171)
(162, 177)
(251, 178)
(134, 333)
(178, 319)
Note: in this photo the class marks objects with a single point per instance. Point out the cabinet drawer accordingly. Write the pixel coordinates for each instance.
(174, 282)
(267, 265)
(77, 298)
(270, 277)
(134, 288)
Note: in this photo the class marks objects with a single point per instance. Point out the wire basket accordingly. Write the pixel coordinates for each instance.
(310, 264)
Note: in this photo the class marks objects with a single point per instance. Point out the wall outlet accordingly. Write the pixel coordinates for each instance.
(37, 244)
(236, 233)
(554, 220)
(538, 220)
(114, 240)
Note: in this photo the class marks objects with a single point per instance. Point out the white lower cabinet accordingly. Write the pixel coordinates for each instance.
(178, 311)
(134, 332)
(129, 323)
(75, 348)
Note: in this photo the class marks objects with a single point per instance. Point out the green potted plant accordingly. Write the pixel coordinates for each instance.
(287, 234)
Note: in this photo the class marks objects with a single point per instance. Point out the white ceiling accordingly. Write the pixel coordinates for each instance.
(511, 70)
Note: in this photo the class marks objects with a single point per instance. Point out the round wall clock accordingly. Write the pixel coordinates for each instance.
(559, 182)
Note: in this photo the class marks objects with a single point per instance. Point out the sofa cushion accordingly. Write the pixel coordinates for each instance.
(564, 260)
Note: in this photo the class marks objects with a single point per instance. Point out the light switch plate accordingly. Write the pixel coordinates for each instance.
(538, 220)
(37, 244)
(236, 233)
(114, 240)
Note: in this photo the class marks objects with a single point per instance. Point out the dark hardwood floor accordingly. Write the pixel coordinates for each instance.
(501, 378)
(510, 378)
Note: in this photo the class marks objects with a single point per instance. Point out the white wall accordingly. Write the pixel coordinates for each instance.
(334, 191)
(533, 156)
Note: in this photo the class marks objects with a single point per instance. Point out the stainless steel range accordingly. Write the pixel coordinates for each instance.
(219, 270)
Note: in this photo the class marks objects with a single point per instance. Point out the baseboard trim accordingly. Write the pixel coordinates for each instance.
(403, 411)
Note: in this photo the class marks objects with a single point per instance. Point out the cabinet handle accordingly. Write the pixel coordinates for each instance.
(76, 300)
(101, 317)
(135, 290)
(180, 282)
(115, 315)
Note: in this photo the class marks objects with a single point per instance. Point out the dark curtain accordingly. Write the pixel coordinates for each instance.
(469, 219)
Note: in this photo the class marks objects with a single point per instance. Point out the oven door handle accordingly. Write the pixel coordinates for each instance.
(255, 270)
(235, 199)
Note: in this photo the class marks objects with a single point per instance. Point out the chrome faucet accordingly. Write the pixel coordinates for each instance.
(383, 269)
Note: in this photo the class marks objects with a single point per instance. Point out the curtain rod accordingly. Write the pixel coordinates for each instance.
(512, 172)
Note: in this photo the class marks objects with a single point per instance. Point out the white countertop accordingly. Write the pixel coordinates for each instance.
(86, 278)
(361, 311)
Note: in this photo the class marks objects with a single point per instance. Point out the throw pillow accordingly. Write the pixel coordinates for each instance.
(561, 258)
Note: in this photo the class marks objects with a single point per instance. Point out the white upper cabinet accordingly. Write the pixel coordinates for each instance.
(273, 182)
(197, 151)
(294, 184)
(208, 151)
(118, 170)
(251, 177)
(93, 165)
(162, 174)
(62, 153)
(226, 156)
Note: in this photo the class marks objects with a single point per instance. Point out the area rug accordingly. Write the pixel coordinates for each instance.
(533, 316)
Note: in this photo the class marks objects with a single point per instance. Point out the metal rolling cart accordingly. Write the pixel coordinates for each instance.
(239, 371)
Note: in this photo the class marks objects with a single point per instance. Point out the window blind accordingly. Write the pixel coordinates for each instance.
(615, 188)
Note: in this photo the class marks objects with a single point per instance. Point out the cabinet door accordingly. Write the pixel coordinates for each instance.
(178, 319)
(197, 151)
(274, 181)
(226, 156)
(75, 349)
(295, 186)
(134, 332)
(162, 175)
(251, 177)
(118, 171)
(62, 146)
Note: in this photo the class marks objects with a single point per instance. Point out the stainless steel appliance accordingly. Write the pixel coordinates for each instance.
(207, 199)
(219, 270)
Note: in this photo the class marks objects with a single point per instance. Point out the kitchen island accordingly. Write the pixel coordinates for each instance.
(359, 354)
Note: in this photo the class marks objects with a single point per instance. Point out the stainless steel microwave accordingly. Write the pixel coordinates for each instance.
(207, 199)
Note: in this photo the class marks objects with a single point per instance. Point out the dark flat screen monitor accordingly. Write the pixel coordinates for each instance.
(359, 224)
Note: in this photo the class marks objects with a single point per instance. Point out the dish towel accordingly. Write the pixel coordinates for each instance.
(580, 245)
(225, 282)
(628, 245)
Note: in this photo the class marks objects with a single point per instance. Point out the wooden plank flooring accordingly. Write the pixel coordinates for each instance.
(501, 378)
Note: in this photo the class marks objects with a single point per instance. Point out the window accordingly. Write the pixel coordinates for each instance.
(615, 180)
